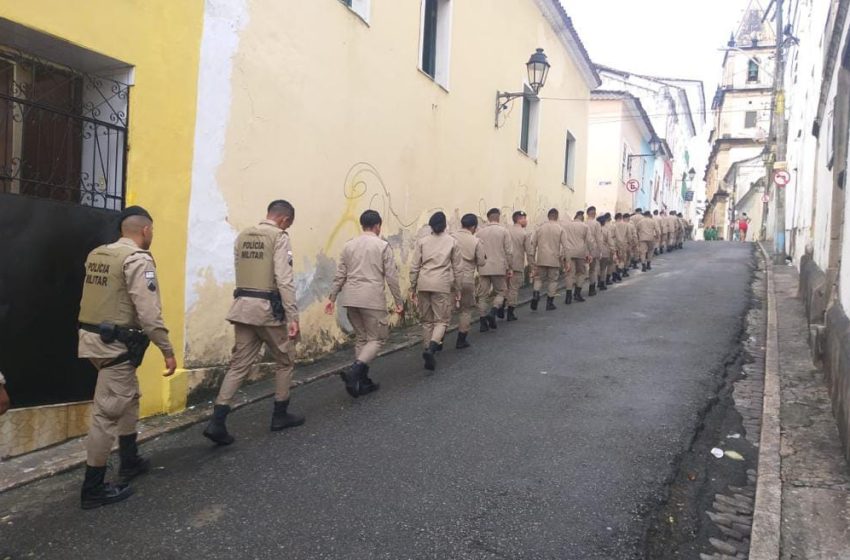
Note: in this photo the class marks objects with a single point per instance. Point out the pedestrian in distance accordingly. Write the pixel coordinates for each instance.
(264, 311)
(743, 227)
(549, 248)
(493, 277)
(366, 264)
(472, 259)
(435, 274)
(120, 315)
(521, 257)
(4, 396)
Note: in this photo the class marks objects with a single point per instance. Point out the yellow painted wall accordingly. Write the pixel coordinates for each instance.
(334, 115)
(160, 39)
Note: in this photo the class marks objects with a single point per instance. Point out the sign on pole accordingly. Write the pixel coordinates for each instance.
(781, 177)
(633, 185)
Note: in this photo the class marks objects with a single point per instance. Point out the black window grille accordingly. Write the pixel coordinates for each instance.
(750, 119)
(429, 38)
(63, 133)
(752, 71)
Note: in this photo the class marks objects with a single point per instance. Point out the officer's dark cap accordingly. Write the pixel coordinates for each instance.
(131, 211)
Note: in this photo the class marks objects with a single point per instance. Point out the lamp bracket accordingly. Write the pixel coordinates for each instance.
(504, 98)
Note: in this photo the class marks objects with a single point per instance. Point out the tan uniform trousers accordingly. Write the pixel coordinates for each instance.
(249, 340)
(514, 284)
(577, 275)
(646, 249)
(467, 306)
(547, 276)
(115, 410)
(435, 312)
(492, 291)
(594, 270)
(606, 267)
(371, 331)
(671, 240)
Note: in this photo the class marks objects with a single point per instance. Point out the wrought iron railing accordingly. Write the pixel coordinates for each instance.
(63, 133)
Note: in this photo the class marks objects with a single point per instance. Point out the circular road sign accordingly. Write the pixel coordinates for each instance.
(633, 185)
(781, 178)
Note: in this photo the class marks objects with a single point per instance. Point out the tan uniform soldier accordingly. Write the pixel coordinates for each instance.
(660, 233)
(578, 253)
(596, 248)
(365, 265)
(609, 251)
(634, 220)
(435, 272)
(522, 255)
(494, 275)
(263, 312)
(549, 247)
(647, 234)
(120, 314)
(472, 258)
(622, 236)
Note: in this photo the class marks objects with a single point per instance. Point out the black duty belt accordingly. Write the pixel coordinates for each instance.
(136, 341)
(273, 297)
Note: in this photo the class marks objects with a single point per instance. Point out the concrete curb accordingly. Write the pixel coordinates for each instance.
(765, 538)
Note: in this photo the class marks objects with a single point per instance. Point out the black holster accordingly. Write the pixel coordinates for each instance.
(136, 341)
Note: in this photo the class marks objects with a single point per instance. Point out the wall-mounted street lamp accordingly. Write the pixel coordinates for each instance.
(654, 147)
(692, 174)
(538, 71)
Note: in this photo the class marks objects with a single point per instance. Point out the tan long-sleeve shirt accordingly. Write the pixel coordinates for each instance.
(647, 229)
(549, 245)
(595, 238)
(578, 239)
(521, 246)
(472, 254)
(143, 289)
(254, 311)
(498, 248)
(365, 265)
(437, 264)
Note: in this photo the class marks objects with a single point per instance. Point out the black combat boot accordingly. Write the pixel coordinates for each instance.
(635, 265)
(366, 384)
(550, 304)
(661, 250)
(615, 278)
(535, 300)
(429, 356)
(132, 464)
(484, 324)
(281, 419)
(655, 251)
(500, 312)
(609, 279)
(512, 314)
(649, 265)
(491, 319)
(569, 297)
(216, 430)
(461, 340)
(603, 285)
(577, 295)
(591, 291)
(353, 376)
(643, 267)
(626, 273)
(98, 493)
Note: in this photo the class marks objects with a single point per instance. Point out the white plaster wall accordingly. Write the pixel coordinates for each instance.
(210, 234)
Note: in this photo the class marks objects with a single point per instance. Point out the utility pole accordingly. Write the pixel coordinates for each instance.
(779, 138)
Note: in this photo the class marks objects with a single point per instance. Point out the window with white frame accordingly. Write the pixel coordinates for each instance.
(435, 40)
(529, 135)
(570, 161)
(359, 7)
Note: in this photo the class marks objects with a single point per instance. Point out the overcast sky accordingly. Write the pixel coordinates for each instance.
(670, 38)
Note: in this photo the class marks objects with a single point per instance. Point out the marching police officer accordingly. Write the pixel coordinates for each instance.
(596, 242)
(472, 258)
(578, 251)
(365, 265)
(494, 275)
(549, 247)
(263, 311)
(120, 314)
(521, 244)
(435, 273)
(647, 234)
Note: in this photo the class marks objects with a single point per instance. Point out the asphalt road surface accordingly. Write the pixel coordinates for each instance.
(552, 437)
